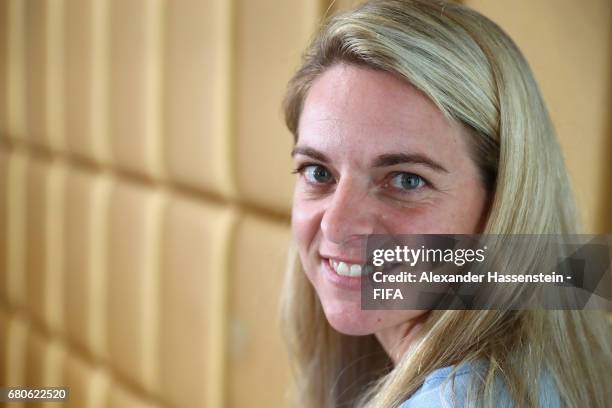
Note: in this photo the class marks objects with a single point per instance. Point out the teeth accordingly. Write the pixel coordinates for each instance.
(344, 269)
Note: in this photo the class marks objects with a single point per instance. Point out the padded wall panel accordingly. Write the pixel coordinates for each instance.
(259, 258)
(44, 72)
(264, 145)
(55, 360)
(4, 167)
(133, 272)
(120, 396)
(193, 254)
(16, 338)
(36, 238)
(55, 241)
(86, 219)
(36, 356)
(4, 325)
(16, 85)
(85, 78)
(15, 282)
(89, 385)
(54, 43)
(4, 61)
(135, 39)
(44, 366)
(196, 93)
(35, 69)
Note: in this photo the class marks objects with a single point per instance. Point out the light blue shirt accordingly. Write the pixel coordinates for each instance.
(437, 392)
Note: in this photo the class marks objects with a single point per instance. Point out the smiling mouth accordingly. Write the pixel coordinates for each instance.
(347, 269)
(357, 270)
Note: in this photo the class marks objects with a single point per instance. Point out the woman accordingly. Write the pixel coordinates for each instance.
(422, 117)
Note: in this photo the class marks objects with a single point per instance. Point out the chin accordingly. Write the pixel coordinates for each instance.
(348, 318)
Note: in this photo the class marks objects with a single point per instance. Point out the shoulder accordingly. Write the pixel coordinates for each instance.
(453, 387)
(444, 385)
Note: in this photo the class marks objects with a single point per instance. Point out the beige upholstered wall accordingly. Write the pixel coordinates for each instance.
(145, 185)
(144, 195)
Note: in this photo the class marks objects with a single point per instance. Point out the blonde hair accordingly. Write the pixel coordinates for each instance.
(477, 76)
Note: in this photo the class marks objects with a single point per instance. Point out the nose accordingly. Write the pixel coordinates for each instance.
(349, 215)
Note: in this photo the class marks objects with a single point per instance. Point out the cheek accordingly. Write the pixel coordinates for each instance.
(428, 219)
(468, 211)
(305, 224)
(459, 212)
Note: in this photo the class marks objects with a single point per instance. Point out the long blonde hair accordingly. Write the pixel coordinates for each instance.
(477, 76)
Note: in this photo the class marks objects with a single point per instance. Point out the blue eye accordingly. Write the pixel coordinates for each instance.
(316, 174)
(407, 181)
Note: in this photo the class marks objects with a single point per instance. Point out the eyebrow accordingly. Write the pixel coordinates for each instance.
(383, 160)
(310, 152)
(410, 158)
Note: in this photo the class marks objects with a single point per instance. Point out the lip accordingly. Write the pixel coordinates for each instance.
(348, 260)
(342, 282)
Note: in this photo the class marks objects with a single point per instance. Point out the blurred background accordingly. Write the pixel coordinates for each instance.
(145, 184)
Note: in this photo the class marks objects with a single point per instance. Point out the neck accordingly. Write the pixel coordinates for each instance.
(396, 340)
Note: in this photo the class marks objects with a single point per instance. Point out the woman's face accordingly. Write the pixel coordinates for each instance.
(374, 156)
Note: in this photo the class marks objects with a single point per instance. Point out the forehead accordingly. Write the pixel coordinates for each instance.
(371, 111)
